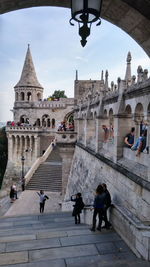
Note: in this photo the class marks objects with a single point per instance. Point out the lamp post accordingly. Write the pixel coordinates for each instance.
(85, 12)
(22, 173)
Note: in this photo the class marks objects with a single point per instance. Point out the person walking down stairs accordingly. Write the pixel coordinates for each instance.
(43, 198)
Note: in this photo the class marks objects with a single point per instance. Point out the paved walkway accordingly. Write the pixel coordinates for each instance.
(28, 203)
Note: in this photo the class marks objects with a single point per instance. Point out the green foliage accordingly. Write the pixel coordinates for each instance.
(58, 94)
(3, 153)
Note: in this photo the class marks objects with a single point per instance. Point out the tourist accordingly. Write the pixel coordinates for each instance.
(106, 206)
(129, 139)
(140, 144)
(15, 191)
(11, 194)
(43, 198)
(79, 205)
(23, 184)
(106, 133)
(98, 205)
(111, 132)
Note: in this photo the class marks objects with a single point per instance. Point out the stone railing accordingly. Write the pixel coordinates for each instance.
(66, 137)
(22, 128)
(37, 163)
(143, 158)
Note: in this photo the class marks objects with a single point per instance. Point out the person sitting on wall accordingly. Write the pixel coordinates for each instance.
(129, 139)
(140, 144)
(106, 133)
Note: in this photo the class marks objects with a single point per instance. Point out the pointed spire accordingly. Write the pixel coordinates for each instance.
(106, 80)
(102, 75)
(76, 75)
(128, 68)
(28, 76)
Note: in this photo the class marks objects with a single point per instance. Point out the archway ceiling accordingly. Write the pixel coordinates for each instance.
(132, 16)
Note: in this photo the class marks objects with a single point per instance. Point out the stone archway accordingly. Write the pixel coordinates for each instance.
(131, 16)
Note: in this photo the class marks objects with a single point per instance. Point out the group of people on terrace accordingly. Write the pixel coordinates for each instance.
(65, 126)
(101, 204)
(139, 145)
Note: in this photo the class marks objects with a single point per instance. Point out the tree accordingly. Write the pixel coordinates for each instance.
(58, 94)
(3, 153)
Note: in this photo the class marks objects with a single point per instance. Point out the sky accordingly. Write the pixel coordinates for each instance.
(57, 52)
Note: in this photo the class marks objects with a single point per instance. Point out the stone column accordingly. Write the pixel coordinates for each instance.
(85, 132)
(37, 146)
(121, 128)
(148, 155)
(90, 133)
(99, 135)
(10, 147)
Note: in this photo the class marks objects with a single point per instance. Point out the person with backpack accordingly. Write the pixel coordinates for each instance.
(98, 205)
(107, 204)
(43, 198)
(79, 205)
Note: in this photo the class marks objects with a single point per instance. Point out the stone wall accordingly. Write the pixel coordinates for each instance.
(88, 171)
(130, 213)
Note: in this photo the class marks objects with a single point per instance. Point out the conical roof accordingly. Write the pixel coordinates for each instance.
(28, 76)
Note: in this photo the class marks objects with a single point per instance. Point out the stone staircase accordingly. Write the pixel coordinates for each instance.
(54, 240)
(48, 176)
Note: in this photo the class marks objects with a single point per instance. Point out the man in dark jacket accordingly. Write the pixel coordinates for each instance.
(106, 206)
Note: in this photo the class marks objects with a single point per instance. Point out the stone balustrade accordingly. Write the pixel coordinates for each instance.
(22, 128)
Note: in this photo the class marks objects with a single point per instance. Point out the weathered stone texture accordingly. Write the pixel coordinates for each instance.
(87, 172)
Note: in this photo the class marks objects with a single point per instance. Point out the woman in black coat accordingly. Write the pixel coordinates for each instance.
(79, 205)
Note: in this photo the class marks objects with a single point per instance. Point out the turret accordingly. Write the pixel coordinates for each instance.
(28, 88)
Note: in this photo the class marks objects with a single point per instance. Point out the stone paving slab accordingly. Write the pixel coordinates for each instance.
(5, 224)
(48, 234)
(106, 248)
(77, 240)
(52, 263)
(17, 238)
(62, 252)
(35, 244)
(51, 234)
(2, 247)
(99, 260)
(13, 258)
(25, 230)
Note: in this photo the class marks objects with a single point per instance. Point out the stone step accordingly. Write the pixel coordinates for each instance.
(54, 240)
(49, 174)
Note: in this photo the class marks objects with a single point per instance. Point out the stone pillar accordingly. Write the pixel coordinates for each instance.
(99, 135)
(10, 147)
(148, 155)
(85, 132)
(90, 133)
(37, 146)
(17, 147)
(121, 128)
